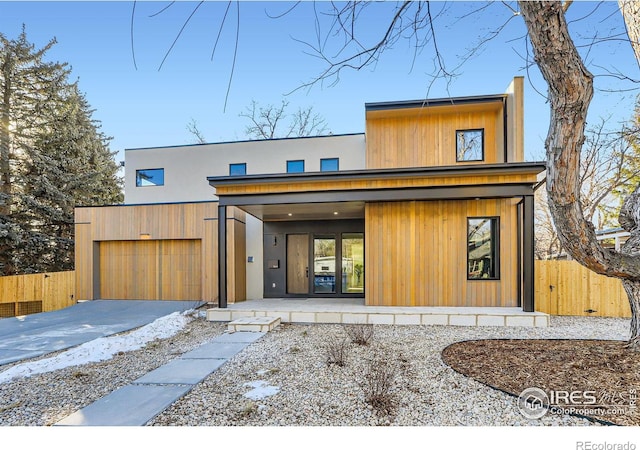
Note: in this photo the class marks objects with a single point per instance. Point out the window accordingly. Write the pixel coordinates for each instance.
(296, 166)
(329, 165)
(149, 177)
(353, 263)
(482, 248)
(238, 169)
(470, 145)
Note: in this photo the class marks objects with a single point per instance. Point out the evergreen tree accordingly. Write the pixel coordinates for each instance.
(53, 157)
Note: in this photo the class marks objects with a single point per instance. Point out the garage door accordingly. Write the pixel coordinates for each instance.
(151, 270)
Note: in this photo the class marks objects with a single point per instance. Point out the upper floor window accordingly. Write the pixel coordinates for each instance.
(149, 177)
(482, 248)
(329, 165)
(296, 166)
(470, 145)
(238, 169)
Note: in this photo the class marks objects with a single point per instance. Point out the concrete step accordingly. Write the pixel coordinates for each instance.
(262, 324)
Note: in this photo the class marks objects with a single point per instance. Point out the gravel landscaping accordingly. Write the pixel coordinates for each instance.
(285, 379)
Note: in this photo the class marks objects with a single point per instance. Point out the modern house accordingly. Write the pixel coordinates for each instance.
(431, 206)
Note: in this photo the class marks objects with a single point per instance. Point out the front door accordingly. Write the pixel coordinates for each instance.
(297, 264)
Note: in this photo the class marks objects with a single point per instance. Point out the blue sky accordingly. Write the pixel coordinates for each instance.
(141, 106)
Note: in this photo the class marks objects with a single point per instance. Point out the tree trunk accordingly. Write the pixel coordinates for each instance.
(570, 93)
(631, 13)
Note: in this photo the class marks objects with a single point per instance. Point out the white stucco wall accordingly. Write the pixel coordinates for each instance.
(186, 169)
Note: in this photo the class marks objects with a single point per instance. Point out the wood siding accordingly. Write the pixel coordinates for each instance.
(565, 288)
(55, 290)
(386, 183)
(416, 254)
(156, 232)
(426, 137)
(151, 270)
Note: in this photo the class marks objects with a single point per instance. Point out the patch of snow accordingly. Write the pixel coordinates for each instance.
(102, 348)
(260, 390)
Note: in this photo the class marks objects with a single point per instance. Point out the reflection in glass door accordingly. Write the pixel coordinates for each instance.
(324, 265)
(352, 263)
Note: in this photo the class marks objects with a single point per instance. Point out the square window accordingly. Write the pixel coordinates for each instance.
(149, 177)
(329, 165)
(482, 248)
(469, 145)
(238, 169)
(296, 166)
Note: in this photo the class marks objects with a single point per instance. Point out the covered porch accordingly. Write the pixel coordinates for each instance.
(416, 226)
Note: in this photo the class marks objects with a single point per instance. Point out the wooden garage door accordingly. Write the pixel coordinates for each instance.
(151, 270)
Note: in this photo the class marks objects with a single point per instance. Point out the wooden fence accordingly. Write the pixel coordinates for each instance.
(565, 288)
(28, 294)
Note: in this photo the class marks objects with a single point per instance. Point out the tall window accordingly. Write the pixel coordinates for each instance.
(470, 145)
(482, 248)
(352, 263)
(238, 169)
(329, 165)
(149, 177)
(296, 166)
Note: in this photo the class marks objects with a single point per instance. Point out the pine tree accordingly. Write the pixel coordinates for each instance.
(53, 157)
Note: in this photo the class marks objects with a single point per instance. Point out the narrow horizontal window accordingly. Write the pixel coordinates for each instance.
(482, 248)
(469, 145)
(329, 165)
(238, 169)
(149, 177)
(296, 166)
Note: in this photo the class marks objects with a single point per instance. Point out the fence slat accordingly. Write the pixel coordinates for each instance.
(55, 290)
(566, 288)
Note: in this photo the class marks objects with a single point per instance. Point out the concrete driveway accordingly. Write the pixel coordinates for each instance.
(38, 334)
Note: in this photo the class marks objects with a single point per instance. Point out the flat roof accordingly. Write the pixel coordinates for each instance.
(427, 102)
(324, 136)
(405, 172)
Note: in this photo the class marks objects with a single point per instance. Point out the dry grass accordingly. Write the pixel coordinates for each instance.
(359, 333)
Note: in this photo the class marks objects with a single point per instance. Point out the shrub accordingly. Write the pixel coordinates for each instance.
(336, 351)
(379, 382)
(360, 333)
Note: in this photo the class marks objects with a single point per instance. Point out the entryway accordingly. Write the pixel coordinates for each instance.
(316, 259)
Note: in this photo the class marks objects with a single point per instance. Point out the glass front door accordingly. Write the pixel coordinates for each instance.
(324, 265)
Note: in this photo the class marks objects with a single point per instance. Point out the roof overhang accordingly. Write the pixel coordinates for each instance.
(334, 195)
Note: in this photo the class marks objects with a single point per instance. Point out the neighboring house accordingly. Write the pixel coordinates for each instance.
(432, 206)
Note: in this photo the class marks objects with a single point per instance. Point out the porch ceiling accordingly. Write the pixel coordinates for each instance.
(306, 211)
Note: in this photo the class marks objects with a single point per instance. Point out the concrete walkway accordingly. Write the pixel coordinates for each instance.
(145, 398)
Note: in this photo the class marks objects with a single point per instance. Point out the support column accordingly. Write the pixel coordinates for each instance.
(528, 254)
(222, 256)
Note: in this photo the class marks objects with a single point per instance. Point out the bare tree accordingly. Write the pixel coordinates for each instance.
(194, 130)
(272, 121)
(570, 93)
(570, 90)
(607, 166)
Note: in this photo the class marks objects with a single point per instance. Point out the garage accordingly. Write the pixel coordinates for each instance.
(165, 269)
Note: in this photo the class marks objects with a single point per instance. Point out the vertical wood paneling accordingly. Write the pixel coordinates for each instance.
(416, 254)
(419, 138)
(158, 222)
(54, 289)
(566, 288)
